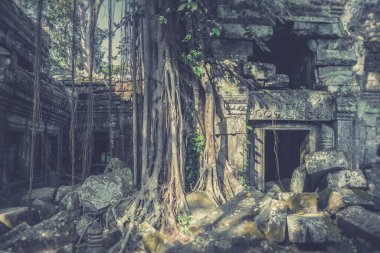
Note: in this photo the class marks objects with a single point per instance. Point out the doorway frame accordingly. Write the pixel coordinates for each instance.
(257, 148)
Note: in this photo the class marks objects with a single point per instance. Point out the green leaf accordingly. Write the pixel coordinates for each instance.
(216, 31)
(187, 38)
(163, 20)
(182, 6)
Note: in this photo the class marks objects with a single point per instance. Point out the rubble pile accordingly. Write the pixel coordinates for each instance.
(63, 216)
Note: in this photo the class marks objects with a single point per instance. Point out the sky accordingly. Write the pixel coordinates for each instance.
(103, 24)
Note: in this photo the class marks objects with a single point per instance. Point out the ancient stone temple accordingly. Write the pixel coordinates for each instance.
(297, 104)
(17, 48)
(311, 92)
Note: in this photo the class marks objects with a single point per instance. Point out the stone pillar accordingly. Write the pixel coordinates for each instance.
(346, 108)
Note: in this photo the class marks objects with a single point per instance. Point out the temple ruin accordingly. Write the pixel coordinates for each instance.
(315, 104)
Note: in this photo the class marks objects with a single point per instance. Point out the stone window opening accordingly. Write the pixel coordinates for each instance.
(101, 154)
(291, 56)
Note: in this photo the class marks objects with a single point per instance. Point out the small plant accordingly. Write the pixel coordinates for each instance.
(185, 219)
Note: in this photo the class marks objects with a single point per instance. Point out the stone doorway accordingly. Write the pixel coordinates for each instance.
(291, 141)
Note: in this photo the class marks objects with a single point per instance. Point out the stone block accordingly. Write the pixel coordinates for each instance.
(200, 204)
(45, 194)
(47, 236)
(300, 181)
(62, 191)
(70, 202)
(277, 81)
(259, 71)
(322, 162)
(319, 30)
(45, 209)
(11, 217)
(342, 197)
(14, 233)
(325, 57)
(232, 49)
(97, 192)
(345, 178)
(356, 221)
(373, 176)
(271, 220)
(312, 228)
(335, 76)
(299, 202)
(246, 32)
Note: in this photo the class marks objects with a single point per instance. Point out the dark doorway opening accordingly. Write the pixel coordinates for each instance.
(101, 154)
(289, 145)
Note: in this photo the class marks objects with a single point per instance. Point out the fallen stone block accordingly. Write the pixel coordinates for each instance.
(320, 163)
(62, 191)
(70, 202)
(14, 233)
(300, 202)
(11, 217)
(342, 197)
(47, 236)
(259, 71)
(45, 209)
(271, 220)
(356, 221)
(345, 178)
(300, 181)
(312, 228)
(97, 192)
(45, 194)
(277, 81)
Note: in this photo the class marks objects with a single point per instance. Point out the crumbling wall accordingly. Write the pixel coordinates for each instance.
(320, 69)
(17, 49)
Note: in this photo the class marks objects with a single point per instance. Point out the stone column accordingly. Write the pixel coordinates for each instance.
(346, 108)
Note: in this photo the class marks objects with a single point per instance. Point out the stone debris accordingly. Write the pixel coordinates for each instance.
(320, 163)
(343, 197)
(312, 228)
(356, 221)
(300, 181)
(44, 194)
(300, 202)
(345, 178)
(200, 204)
(259, 71)
(373, 176)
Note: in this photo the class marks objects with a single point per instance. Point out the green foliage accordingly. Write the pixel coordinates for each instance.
(185, 221)
(163, 20)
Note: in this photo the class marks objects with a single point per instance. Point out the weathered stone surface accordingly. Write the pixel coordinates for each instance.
(373, 176)
(236, 210)
(300, 181)
(232, 49)
(277, 81)
(271, 220)
(11, 217)
(200, 204)
(14, 233)
(115, 164)
(335, 57)
(321, 30)
(291, 105)
(300, 202)
(82, 225)
(49, 235)
(321, 162)
(327, 137)
(345, 178)
(45, 209)
(70, 202)
(312, 228)
(335, 76)
(246, 32)
(359, 222)
(62, 191)
(45, 194)
(343, 197)
(97, 192)
(259, 71)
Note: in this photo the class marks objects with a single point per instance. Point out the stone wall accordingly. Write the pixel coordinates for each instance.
(308, 77)
(112, 125)
(17, 35)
